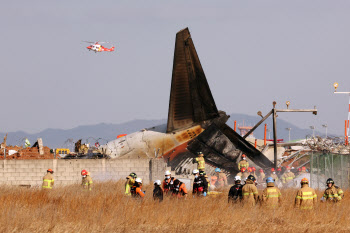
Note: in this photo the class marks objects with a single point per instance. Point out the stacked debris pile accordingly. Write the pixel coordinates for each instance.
(16, 152)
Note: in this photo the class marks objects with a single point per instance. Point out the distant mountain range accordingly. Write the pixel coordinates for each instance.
(57, 138)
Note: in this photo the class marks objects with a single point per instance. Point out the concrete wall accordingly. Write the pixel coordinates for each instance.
(31, 172)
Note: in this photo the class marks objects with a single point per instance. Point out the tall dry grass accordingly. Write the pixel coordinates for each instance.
(106, 209)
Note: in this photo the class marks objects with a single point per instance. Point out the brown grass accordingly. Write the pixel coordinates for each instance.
(106, 209)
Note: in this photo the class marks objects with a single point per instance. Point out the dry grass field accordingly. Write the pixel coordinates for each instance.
(106, 209)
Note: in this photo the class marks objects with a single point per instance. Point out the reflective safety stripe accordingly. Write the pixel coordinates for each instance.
(49, 184)
(299, 197)
(245, 194)
(340, 192)
(271, 190)
(273, 195)
(289, 178)
(307, 193)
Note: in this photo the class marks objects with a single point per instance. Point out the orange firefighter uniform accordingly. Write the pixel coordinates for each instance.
(271, 196)
(179, 189)
(250, 193)
(48, 181)
(306, 198)
(138, 192)
(87, 182)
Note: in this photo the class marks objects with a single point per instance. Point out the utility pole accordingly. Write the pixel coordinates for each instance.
(325, 126)
(288, 133)
(313, 130)
(269, 131)
(336, 85)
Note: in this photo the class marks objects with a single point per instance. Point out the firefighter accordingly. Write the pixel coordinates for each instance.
(157, 191)
(261, 176)
(240, 173)
(86, 181)
(306, 197)
(253, 171)
(235, 193)
(168, 182)
(271, 196)
(279, 172)
(250, 192)
(204, 184)
(130, 181)
(288, 176)
(222, 179)
(273, 174)
(179, 189)
(197, 183)
(243, 174)
(200, 161)
(208, 182)
(303, 170)
(298, 172)
(331, 193)
(135, 190)
(243, 163)
(48, 180)
(250, 171)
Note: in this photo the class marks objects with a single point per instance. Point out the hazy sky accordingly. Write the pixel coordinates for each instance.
(253, 52)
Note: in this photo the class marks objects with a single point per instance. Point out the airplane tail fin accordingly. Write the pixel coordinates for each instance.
(191, 101)
(112, 49)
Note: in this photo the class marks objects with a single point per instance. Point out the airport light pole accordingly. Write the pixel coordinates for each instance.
(325, 126)
(336, 85)
(313, 130)
(274, 112)
(269, 131)
(288, 133)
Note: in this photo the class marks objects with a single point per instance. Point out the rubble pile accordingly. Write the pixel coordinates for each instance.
(26, 153)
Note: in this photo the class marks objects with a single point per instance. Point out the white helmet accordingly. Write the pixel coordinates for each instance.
(167, 173)
(157, 182)
(237, 178)
(195, 171)
(138, 180)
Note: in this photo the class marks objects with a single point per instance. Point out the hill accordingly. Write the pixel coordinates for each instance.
(56, 138)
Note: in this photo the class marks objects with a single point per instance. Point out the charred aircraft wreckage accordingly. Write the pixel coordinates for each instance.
(194, 123)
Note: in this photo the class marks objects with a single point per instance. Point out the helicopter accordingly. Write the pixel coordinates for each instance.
(97, 47)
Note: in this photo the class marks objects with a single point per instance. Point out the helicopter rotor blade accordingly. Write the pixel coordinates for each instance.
(91, 42)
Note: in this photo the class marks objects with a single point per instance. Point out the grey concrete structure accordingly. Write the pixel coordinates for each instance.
(31, 172)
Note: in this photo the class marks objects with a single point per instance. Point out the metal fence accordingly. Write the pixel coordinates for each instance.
(328, 165)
